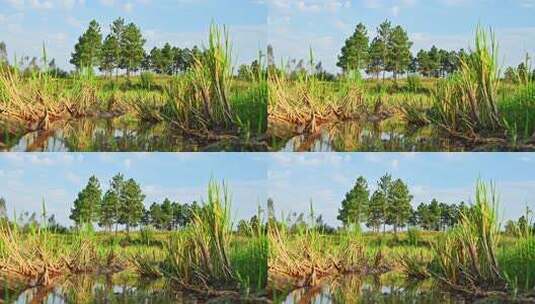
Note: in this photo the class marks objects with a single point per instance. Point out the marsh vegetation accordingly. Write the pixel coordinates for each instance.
(170, 251)
(436, 100)
(458, 253)
(195, 93)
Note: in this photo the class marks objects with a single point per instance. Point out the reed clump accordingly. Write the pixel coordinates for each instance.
(209, 240)
(467, 102)
(200, 100)
(466, 257)
(207, 258)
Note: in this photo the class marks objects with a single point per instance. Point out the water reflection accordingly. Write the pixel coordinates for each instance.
(388, 135)
(113, 135)
(118, 288)
(390, 288)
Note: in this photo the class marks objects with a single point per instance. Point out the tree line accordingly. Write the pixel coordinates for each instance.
(123, 204)
(391, 205)
(390, 51)
(123, 49)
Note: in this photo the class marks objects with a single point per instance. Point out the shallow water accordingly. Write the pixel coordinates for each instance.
(111, 135)
(99, 289)
(389, 136)
(389, 288)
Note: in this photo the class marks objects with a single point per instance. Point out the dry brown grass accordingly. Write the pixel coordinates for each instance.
(39, 258)
(306, 259)
(37, 101)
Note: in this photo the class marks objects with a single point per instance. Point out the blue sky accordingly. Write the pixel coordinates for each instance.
(297, 179)
(27, 23)
(294, 25)
(27, 178)
(291, 179)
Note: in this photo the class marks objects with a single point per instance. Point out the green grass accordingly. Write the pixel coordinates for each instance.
(517, 263)
(203, 101)
(207, 255)
(519, 111)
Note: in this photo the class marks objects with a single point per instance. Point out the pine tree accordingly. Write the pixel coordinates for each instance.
(131, 208)
(167, 59)
(375, 58)
(86, 205)
(108, 210)
(117, 31)
(87, 50)
(434, 215)
(384, 186)
(399, 207)
(132, 52)
(354, 54)
(384, 35)
(424, 65)
(399, 52)
(116, 186)
(155, 212)
(167, 214)
(111, 53)
(434, 61)
(376, 211)
(355, 204)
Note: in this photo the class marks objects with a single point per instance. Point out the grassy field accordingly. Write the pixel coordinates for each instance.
(474, 104)
(207, 102)
(473, 259)
(207, 258)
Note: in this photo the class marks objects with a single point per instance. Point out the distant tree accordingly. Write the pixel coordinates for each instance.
(131, 206)
(156, 216)
(510, 74)
(434, 61)
(511, 228)
(132, 52)
(270, 56)
(413, 219)
(177, 215)
(86, 205)
(167, 214)
(354, 54)
(117, 29)
(110, 55)
(384, 32)
(376, 211)
(3, 208)
(117, 186)
(87, 51)
(3, 53)
(422, 215)
(424, 63)
(434, 215)
(244, 73)
(375, 58)
(399, 52)
(109, 210)
(243, 228)
(522, 224)
(355, 204)
(399, 207)
(384, 185)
